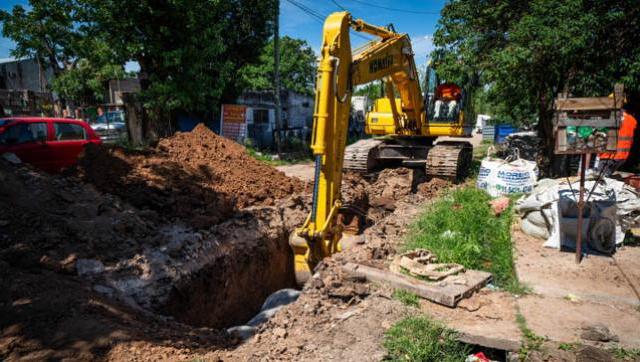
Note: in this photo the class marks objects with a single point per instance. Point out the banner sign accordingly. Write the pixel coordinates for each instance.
(233, 122)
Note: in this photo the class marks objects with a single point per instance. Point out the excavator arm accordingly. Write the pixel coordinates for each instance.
(390, 58)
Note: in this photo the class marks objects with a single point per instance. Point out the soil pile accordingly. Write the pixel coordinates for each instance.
(53, 220)
(196, 176)
(48, 316)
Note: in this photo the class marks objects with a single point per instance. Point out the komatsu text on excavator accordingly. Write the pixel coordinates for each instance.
(408, 132)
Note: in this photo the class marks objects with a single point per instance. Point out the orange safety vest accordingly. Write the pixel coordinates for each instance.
(448, 91)
(625, 139)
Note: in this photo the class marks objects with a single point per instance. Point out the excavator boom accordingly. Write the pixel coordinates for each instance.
(389, 58)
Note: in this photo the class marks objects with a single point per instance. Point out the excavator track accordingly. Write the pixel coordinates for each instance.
(362, 155)
(450, 160)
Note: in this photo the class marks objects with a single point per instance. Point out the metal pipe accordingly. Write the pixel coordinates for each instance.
(583, 159)
(362, 26)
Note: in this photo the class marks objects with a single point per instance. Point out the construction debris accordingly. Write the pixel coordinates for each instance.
(554, 200)
(422, 263)
(446, 292)
(525, 144)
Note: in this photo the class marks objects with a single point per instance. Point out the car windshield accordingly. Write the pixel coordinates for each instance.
(111, 117)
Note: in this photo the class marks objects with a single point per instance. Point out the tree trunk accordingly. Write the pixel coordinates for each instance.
(549, 165)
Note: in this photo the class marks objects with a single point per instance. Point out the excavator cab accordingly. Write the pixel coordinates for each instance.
(447, 105)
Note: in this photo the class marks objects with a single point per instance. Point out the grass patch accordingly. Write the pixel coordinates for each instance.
(271, 160)
(407, 298)
(461, 228)
(532, 341)
(422, 339)
(624, 354)
(568, 346)
(480, 151)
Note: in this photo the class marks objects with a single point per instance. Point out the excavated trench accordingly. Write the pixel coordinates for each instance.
(230, 289)
(253, 259)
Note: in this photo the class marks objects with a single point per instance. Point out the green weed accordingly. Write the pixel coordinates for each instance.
(621, 353)
(421, 339)
(407, 298)
(461, 228)
(568, 346)
(532, 341)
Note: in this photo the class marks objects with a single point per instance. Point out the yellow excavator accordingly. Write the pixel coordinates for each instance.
(407, 134)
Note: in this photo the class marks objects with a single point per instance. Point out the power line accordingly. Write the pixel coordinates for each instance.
(307, 10)
(319, 16)
(338, 5)
(352, 32)
(396, 9)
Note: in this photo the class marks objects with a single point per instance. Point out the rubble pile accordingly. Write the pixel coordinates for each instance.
(526, 144)
(196, 176)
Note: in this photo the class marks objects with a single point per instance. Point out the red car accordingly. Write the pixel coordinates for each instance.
(50, 144)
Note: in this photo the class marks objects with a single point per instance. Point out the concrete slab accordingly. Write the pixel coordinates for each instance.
(487, 318)
(303, 171)
(551, 272)
(562, 320)
(569, 296)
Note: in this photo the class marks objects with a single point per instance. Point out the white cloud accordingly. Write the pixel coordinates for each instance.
(422, 45)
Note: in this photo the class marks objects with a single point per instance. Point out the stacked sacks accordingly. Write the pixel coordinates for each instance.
(613, 206)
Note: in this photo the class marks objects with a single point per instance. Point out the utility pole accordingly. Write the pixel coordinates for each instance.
(276, 77)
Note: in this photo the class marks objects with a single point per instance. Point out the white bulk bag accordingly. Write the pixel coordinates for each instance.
(512, 176)
(488, 167)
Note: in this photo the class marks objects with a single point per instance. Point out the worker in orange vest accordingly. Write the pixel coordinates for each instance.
(447, 96)
(611, 161)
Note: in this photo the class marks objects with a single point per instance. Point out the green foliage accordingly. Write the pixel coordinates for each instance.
(525, 52)
(189, 51)
(532, 341)
(421, 339)
(568, 346)
(372, 90)
(461, 228)
(620, 353)
(50, 32)
(407, 298)
(45, 31)
(273, 160)
(86, 82)
(297, 67)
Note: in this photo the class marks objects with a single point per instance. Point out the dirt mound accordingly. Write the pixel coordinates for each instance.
(48, 316)
(195, 176)
(54, 220)
(433, 187)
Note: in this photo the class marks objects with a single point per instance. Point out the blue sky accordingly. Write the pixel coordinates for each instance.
(420, 27)
(298, 24)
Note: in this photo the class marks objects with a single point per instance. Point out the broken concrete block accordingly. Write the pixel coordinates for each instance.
(598, 332)
(89, 266)
(242, 332)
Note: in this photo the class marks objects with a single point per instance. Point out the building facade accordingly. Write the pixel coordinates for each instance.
(24, 87)
(297, 116)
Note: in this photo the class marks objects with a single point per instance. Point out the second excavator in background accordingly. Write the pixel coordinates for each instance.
(408, 131)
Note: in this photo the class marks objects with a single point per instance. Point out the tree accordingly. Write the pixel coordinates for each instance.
(44, 32)
(189, 51)
(297, 67)
(372, 90)
(49, 32)
(525, 52)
